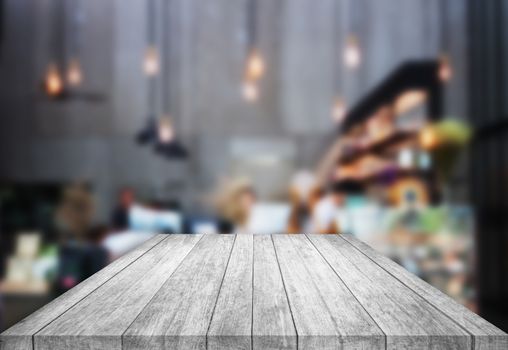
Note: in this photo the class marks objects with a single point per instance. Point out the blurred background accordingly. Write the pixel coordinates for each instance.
(385, 119)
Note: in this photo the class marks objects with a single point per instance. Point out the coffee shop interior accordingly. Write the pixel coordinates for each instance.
(121, 119)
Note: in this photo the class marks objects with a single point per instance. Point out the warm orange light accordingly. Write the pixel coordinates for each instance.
(53, 82)
(74, 73)
(339, 110)
(151, 61)
(428, 138)
(445, 69)
(409, 100)
(166, 132)
(255, 66)
(352, 55)
(250, 91)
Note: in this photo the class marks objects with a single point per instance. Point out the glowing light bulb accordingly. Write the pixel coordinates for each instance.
(165, 130)
(53, 83)
(250, 91)
(352, 55)
(339, 110)
(445, 69)
(428, 138)
(151, 61)
(74, 73)
(255, 66)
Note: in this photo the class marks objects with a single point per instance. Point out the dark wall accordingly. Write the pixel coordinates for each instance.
(489, 157)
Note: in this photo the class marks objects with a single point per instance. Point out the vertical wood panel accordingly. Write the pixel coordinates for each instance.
(179, 315)
(19, 337)
(231, 324)
(272, 323)
(326, 314)
(102, 317)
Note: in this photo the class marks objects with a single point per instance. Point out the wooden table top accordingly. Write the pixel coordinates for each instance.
(262, 292)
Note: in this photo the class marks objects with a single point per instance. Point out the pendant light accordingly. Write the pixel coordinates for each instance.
(165, 125)
(151, 59)
(254, 64)
(53, 82)
(352, 53)
(167, 144)
(151, 65)
(149, 133)
(445, 70)
(250, 90)
(159, 131)
(338, 110)
(74, 72)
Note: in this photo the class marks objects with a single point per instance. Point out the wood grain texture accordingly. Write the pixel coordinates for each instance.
(407, 319)
(486, 335)
(100, 319)
(179, 315)
(19, 336)
(231, 324)
(253, 292)
(326, 314)
(272, 322)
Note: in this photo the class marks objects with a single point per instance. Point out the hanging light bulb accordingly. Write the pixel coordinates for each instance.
(445, 69)
(339, 110)
(74, 73)
(255, 65)
(53, 83)
(250, 91)
(151, 61)
(428, 138)
(165, 130)
(352, 55)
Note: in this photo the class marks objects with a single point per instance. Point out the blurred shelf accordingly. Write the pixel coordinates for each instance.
(24, 288)
(379, 146)
(409, 76)
(388, 175)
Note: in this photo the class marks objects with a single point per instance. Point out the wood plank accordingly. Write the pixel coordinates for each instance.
(407, 320)
(19, 336)
(231, 324)
(272, 323)
(486, 335)
(99, 320)
(326, 314)
(179, 315)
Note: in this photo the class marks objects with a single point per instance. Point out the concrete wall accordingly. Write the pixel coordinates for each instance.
(301, 41)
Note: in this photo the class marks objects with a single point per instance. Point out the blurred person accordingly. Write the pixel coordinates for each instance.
(234, 202)
(302, 212)
(120, 215)
(331, 215)
(325, 212)
(302, 196)
(75, 213)
(79, 260)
